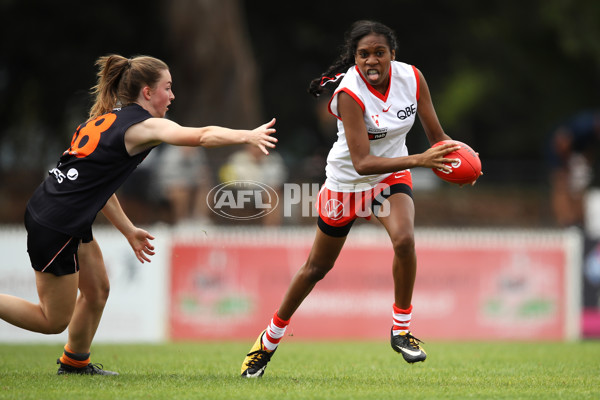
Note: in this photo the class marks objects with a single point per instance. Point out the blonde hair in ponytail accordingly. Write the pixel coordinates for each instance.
(120, 81)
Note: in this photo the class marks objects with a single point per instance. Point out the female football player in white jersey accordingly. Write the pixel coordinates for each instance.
(125, 123)
(368, 168)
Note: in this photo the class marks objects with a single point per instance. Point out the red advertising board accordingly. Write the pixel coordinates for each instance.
(468, 288)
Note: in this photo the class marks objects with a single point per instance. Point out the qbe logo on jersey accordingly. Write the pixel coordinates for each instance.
(242, 200)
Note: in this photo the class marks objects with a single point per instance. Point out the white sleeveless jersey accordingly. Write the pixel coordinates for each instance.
(388, 118)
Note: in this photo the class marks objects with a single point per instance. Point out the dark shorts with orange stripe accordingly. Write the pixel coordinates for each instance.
(49, 250)
(339, 210)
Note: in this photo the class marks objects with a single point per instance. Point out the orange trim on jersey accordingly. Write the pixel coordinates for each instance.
(351, 94)
(416, 71)
(375, 92)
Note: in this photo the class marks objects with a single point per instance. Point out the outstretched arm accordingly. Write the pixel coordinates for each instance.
(138, 239)
(154, 131)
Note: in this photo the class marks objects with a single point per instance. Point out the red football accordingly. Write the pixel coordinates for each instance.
(466, 168)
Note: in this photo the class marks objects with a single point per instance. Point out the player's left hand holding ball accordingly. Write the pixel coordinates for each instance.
(465, 167)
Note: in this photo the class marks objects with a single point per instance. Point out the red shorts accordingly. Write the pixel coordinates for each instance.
(339, 210)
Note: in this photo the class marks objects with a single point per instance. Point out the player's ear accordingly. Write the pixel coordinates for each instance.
(393, 55)
(146, 92)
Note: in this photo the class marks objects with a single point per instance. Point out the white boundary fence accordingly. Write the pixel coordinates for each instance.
(143, 302)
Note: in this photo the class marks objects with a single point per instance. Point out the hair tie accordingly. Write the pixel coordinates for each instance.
(325, 80)
(129, 60)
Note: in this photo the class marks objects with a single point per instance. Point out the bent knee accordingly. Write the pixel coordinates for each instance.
(54, 327)
(102, 294)
(99, 296)
(403, 243)
(96, 297)
(314, 272)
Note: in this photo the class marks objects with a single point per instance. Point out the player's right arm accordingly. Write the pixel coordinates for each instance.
(153, 131)
(427, 115)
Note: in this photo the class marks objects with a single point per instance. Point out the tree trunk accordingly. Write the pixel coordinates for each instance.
(212, 64)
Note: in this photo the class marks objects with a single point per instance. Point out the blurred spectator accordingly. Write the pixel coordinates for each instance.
(573, 150)
(140, 196)
(249, 164)
(184, 180)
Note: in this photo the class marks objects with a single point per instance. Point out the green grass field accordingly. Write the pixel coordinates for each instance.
(324, 370)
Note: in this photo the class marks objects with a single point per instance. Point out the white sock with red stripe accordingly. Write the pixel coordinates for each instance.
(274, 333)
(401, 320)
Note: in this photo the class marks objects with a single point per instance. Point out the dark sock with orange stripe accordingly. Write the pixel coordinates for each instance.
(77, 360)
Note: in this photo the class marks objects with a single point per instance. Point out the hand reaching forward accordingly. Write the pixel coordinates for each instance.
(262, 138)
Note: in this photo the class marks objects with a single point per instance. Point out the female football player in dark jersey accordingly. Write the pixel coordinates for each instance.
(125, 123)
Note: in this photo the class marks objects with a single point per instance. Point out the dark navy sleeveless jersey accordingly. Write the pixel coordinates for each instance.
(88, 173)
